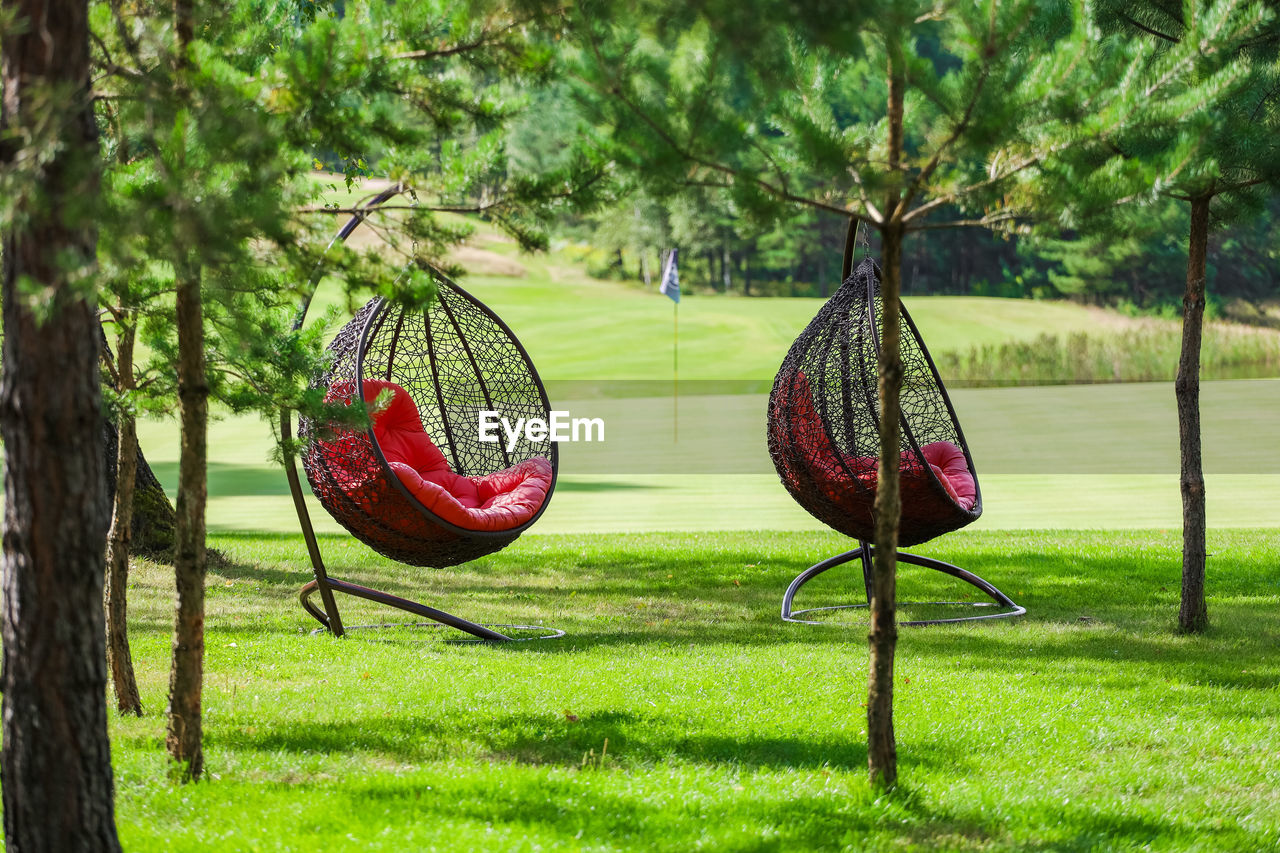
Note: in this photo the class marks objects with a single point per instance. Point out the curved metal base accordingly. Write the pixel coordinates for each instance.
(864, 553)
(438, 618)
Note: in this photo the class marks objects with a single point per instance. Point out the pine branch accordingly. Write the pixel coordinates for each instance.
(359, 211)
(485, 38)
(131, 45)
(109, 65)
(735, 173)
(1149, 30)
(961, 126)
(956, 195)
(875, 215)
(984, 222)
(687, 154)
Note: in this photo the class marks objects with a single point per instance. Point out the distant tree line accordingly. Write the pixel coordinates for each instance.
(1142, 267)
(1139, 262)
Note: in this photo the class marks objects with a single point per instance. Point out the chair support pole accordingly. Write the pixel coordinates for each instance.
(332, 619)
(465, 625)
(864, 552)
(868, 570)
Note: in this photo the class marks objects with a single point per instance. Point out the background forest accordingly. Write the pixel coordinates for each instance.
(1136, 264)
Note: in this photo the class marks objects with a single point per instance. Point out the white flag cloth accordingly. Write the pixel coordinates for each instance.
(670, 286)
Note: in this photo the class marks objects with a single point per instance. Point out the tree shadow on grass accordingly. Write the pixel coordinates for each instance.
(552, 739)
(587, 810)
(632, 806)
(684, 588)
(230, 480)
(1103, 659)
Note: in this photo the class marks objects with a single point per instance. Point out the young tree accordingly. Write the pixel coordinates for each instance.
(909, 116)
(152, 511)
(216, 116)
(1218, 161)
(56, 762)
(120, 534)
(142, 519)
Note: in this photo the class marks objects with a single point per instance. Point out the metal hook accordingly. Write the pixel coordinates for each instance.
(861, 238)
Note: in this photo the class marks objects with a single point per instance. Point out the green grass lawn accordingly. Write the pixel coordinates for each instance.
(1086, 725)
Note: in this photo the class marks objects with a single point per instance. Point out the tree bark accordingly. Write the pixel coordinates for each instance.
(119, 538)
(183, 736)
(186, 676)
(882, 750)
(153, 513)
(58, 789)
(1193, 615)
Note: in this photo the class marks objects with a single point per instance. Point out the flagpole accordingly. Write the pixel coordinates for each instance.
(670, 287)
(675, 372)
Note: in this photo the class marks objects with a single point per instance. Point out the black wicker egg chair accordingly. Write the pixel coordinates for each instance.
(824, 440)
(418, 485)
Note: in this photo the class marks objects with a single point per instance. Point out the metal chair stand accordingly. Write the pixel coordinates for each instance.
(865, 552)
(451, 358)
(328, 615)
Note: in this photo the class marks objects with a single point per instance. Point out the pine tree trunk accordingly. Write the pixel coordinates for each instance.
(153, 514)
(1193, 615)
(184, 734)
(55, 762)
(882, 749)
(186, 676)
(119, 539)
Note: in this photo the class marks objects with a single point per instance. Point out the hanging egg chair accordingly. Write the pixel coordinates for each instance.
(824, 439)
(417, 484)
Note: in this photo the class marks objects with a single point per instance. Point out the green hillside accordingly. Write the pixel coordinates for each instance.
(577, 327)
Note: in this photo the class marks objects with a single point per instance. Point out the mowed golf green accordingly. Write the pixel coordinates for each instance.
(1072, 456)
(580, 328)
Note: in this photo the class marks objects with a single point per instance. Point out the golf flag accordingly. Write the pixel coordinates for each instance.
(670, 286)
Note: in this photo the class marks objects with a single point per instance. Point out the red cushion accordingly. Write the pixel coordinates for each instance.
(516, 494)
(498, 501)
(952, 468)
(827, 467)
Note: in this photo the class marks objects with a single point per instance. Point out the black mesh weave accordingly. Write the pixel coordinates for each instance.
(824, 419)
(454, 358)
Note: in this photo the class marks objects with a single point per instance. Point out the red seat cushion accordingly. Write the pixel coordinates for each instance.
(828, 468)
(949, 463)
(498, 501)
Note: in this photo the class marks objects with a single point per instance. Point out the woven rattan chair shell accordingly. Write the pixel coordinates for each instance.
(833, 363)
(454, 358)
